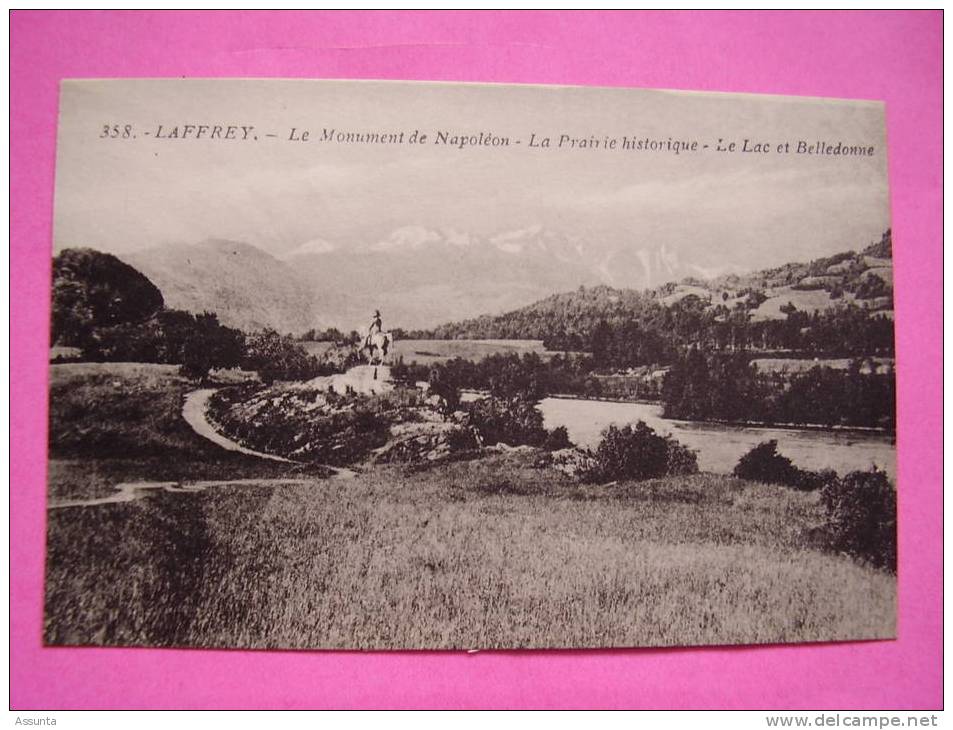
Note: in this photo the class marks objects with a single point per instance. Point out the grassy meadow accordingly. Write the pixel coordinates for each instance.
(113, 422)
(495, 551)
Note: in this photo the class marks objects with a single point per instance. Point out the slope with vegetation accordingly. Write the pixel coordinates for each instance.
(829, 305)
(246, 288)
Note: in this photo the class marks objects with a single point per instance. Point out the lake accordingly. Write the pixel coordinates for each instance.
(719, 447)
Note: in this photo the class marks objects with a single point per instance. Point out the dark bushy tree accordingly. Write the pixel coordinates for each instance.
(556, 439)
(687, 389)
(131, 342)
(883, 249)
(277, 357)
(510, 421)
(444, 387)
(862, 516)
(640, 453)
(516, 377)
(198, 343)
(765, 464)
(211, 345)
(92, 290)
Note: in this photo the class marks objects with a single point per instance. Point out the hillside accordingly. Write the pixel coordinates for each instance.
(863, 278)
(246, 287)
(401, 557)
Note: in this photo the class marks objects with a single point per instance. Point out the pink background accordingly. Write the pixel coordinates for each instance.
(895, 57)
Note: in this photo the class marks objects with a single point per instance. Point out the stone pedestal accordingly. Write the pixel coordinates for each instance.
(362, 379)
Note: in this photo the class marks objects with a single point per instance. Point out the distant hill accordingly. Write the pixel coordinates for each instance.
(246, 287)
(864, 278)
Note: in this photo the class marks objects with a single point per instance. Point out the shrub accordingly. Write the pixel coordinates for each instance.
(129, 342)
(764, 464)
(681, 459)
(197, 342)
(640, 453)
(810, 481)
(511, 421)
(278, 357)
(557, 439)
(862, 516)
(339, 358)
(444, 387)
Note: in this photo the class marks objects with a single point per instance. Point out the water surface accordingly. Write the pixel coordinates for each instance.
(719, 447)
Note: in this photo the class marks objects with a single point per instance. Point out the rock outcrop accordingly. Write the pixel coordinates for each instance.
(415, 442)
(574, 462)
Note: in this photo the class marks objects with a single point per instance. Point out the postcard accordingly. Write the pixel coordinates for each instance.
(388, 365)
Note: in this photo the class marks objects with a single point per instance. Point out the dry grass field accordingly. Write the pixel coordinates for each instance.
(492, 552)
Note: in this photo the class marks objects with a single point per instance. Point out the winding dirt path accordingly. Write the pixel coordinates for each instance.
(131, 491)
(194, 413)
(194, 410)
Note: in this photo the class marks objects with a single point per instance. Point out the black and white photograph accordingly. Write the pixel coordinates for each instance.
(402, 365)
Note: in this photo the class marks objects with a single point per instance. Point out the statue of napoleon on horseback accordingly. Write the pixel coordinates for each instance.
(377, 343)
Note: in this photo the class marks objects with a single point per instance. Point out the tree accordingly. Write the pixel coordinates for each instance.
(687, 389)
(211, 345)
(442, 385)
(92, 290)
(640, 453)
(509, 376)
(599, 343)
(278, 357)
(510, 421)
(765, 464)
(862, 516)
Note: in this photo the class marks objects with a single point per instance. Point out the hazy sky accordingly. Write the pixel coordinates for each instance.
(712, 209)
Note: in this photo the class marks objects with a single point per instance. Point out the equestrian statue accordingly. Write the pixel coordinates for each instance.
(377, 343)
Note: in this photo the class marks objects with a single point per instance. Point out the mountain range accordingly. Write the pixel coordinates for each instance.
(418, 277)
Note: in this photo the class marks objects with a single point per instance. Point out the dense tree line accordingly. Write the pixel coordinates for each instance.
(529, 376)
(331, 334)
(200, 343)
(709, 386)
(645, 331)
(842, 331)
